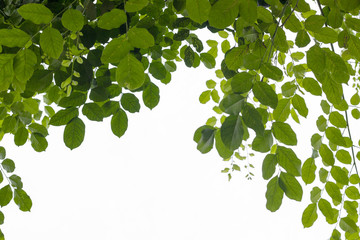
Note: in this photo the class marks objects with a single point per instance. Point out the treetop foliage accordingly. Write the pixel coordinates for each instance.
(63, 61)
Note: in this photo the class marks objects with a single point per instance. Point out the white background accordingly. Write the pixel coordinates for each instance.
(152, 183)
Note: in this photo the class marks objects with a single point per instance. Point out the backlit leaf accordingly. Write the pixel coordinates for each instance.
(130, 73)
(74, 133)
(73, 20)
(113, 19)
(119, 123)
(290, 186)
(308, 171)
(288, 160)
(309, 215)
(51, 42)
(265, 94)
(268, 166)
(37, 13)
(232, 132)
(198, 10)
(284, 133)
(274, 195)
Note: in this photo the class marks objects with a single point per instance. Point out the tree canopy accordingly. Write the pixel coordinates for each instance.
(64, 61)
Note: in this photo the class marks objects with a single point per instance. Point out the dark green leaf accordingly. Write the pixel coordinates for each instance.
(284, 133)
(62, 117)
(253, 119)
(21, 136)
(6, 195)
(232, 104)
(93, 112)
(282, 110)
(130, 102)
(22, 200)
(290, 186)
(74, 133)
(263, 143)
(242, 82)
(157, 70)
(151, 95)
(288, 160)
(265, 94)
(75, 99)
(223, 151)
(2, 152)
(206, 142)
(8, 165)
(16, 181)
(270, 71)
(232, 132)
(119, 123)
(38, 142)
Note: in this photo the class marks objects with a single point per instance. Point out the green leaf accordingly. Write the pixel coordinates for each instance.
(274, 195)
(343, 156)
(13, 37)
(309, 215)
(140, 38)
(51, 42)
(329, 213)
(208, 60)
(130, 102)
(93, 112)
(6, 195)
(223, 151)
(74, 133)
(314, 23)
(263, 143)
(248, 10)
(333, 91)
(334, 192)
(264, 15)
(293, 23)
(299, 104)
(198, 10)
(282, 110)
(265, 94)
(326, 35)
(62, 117)
(206, 142)
(151, 95)
(334, 135)
(119, 123)
(316, 141)
(323, 174)
(326, 155)
(37, 128)
(348, 225)
(37, 13)
(302, 39)
(349, 5)
(312, 86)
(232, 132)
(242, 82)
(205, 96)
(75, 99)
(223, 13)
(2, 152)
(6, 70)
(335, 18)
(115, 50)
(189, 56)
(353, 46)
(308, 171)
(352, 192)
(97, 94)
(40, 81)
(325, 106)
(135, 5)
(270, 71)
(284, 133)
(8, 165)
(232, 104)
(157, 70)
(355, 99)
(22, 200)
(339, 175)
(38, 142)
(316, 59)
(315, 194)
(113, 19)
(290, 186)
(130, 72)
(337, 120)
(288, 160)
(234, 57)
(253, 119)
(73, 20)
(268, 166)
(16, 181)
